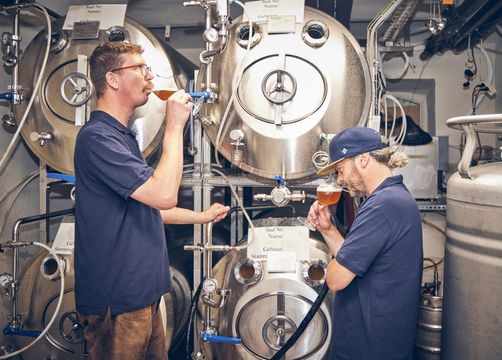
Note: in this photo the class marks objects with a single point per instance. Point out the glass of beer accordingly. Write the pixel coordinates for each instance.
(329, 192)
(163, 94)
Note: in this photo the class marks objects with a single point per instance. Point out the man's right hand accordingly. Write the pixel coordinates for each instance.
(178, 109)
(160, 191)
(319, 216)
(215, 212)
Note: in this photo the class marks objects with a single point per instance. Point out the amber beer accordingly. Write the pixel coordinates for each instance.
(164, 93)
(328, 194)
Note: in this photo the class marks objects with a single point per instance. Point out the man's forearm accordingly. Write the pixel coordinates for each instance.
(178, 215)
(160, 191)
(333, 239)
(167, 174)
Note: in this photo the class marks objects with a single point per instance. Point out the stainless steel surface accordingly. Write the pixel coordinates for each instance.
(177, 306)
(62, 101)
(246, 179)
(489, 123)
(428, 340)
(498, 144)
(473, 256)
(292, 90)
(473, 263)
(264, 313)
(38, 298)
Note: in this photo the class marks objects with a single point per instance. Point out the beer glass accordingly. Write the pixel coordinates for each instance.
(328, 193)
(198, 98)
(163, 94)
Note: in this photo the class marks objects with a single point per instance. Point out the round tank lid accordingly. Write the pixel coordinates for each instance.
(268, 321)
(275, 81)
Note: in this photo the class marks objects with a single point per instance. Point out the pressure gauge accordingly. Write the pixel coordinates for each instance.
(5, 279)
(209, 285)
(8, 49)
(210, 35)
(6, 38)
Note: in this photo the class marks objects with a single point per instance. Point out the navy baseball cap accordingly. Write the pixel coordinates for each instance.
(349, 143)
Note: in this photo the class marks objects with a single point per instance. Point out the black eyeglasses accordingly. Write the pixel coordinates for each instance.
(143, 68)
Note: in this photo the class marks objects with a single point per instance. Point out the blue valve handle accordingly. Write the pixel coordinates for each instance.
(9, 330)
(219, 339)
(200, 94)
(65, 177)
(7, 96)
(280, 181)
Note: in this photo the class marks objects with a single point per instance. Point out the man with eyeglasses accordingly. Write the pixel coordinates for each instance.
(121, 260)
(377, 268)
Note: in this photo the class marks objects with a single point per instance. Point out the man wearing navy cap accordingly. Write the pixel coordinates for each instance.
(377, 268)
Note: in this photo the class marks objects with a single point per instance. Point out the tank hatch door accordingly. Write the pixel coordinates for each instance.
(271, 99)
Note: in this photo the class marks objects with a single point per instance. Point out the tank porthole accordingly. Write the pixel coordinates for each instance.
(59, 39)
(242, 35)
(248, 272)
(315, 33)
(314, 272)
(116, 33)
(49, 268)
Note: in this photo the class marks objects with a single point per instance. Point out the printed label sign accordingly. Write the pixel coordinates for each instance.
(281, 246)
(65, 237)
(108, 15)
(260, 11)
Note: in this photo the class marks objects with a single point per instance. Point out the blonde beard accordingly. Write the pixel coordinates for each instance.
(355, 183)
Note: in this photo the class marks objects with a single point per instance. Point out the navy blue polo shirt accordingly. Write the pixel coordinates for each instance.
(375, 316)
(120, 248)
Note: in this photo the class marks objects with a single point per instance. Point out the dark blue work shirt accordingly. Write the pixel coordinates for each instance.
(375, 316)
(120, 248)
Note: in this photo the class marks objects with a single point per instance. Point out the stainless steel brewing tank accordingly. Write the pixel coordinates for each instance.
(38, 297)
(63, 104)
(294, 87)
(472, 304)
(269, 298)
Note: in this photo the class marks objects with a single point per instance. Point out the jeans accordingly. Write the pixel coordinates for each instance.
(134, 335)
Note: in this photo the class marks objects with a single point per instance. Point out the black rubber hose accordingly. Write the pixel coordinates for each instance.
(303, 325)
(315, 306)
(262, 207)
(193, 307)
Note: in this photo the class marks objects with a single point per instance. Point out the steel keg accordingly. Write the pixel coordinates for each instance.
(428, 339)
(472, 315)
